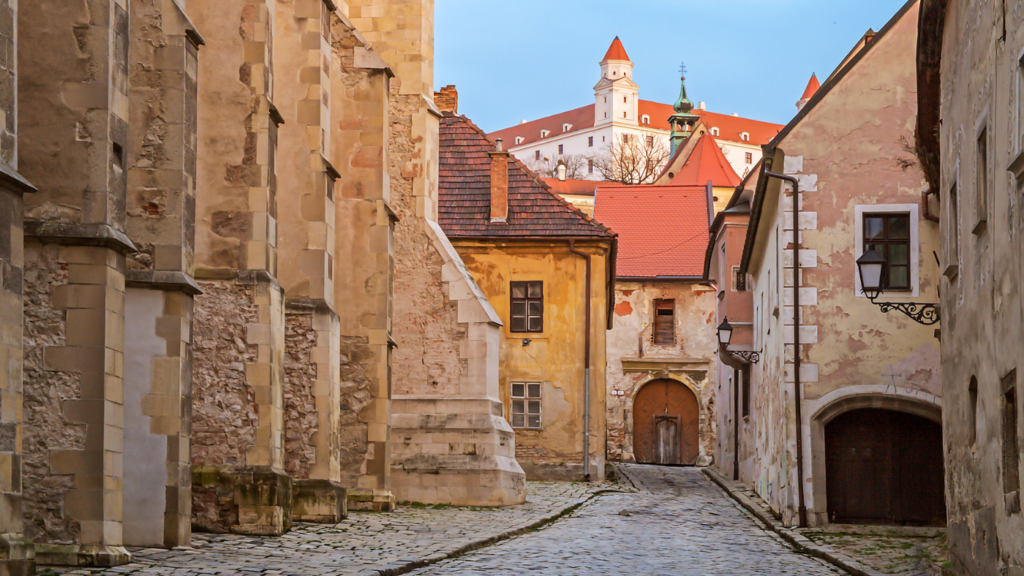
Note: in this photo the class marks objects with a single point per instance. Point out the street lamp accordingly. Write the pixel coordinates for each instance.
(725, 336)
(870, 266)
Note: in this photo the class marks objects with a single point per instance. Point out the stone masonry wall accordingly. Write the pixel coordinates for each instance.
(300, 375)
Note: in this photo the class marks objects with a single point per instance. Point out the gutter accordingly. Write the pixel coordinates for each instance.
(586, 365)
(802, 508)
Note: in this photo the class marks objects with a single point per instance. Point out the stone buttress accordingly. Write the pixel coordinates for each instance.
(239, 483)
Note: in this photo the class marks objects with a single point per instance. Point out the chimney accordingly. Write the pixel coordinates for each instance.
(499, 183)
(447, 100)
(702, 106)
(561, 171)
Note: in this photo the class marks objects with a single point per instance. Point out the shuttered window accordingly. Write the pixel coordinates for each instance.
(745, 374)
(664, 322)
(889, 234)
(527, 306)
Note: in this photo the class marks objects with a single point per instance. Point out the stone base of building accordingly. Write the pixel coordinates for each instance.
(253, 500)
(17, 556)
(371, 500)
(454, 451)
(563, 471)
(81, 555)
(319, 501)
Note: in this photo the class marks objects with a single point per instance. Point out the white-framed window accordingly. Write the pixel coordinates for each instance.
(714, 131)
(590, 141)
(745, 136)
(519, 140)
(645, 119)
(561, 148)
(526, 405)
(740, 282)
(877, 218)
(566, 127)
(544, 133)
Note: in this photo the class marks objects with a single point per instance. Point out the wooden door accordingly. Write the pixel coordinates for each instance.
(660, 406)
(883, 466)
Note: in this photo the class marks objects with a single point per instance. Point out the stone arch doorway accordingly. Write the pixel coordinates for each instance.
(884, 466)
(666, 423)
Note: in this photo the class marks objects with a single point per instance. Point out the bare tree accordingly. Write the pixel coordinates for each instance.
(633, 160)
(575, 166)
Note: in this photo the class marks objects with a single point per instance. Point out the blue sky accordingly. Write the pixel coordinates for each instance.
(525, 59)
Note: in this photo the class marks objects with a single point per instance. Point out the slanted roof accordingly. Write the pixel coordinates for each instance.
(616, 51)
(662, 230)
(573, 187)
(812, 87)
(464, 190)
(707, 163)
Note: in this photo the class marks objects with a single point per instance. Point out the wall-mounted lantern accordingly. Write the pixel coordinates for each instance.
(870, 266)
(725, 336)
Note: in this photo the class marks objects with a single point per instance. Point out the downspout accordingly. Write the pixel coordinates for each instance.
(802, 508)
(586, 366)
(735, 424)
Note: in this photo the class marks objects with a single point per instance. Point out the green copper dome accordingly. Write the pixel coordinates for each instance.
(683, 104)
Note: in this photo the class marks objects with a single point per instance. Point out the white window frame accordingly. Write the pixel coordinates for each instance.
(526, 398)
(745, 136)
(544, 133)
(519, 140)
(714, 131)
(566, 127)
(915, 249)
(645, 119)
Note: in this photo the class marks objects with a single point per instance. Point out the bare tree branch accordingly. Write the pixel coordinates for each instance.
(633, 160)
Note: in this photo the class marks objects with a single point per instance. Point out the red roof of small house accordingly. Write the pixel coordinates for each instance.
(707, 163)
(812, 87)
(730, 128)
(574, 187)
(663, 230)
(616, 51)
(464, 186)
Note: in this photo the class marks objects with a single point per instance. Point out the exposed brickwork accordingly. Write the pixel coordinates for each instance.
(447, 99)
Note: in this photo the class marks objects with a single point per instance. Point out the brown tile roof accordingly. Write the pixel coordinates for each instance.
(465, 187)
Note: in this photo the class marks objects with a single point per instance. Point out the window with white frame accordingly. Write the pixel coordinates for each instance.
(590, 166)
(526, 405)
(739, 280)
(519, 140)
(645, 119)
(890, 229)
(544, 133)
(566, 127)
(714, 131)
(745, 136)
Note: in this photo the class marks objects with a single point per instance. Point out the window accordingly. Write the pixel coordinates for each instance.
(560, 148)
(526, 405)
(645, 119)
(624, 99)
(714, 131)
(889, 234)
(745, 136)
(536, 154)
(590, 141)
(650, 141)
(981, 184)
(566, 127)
(590, 166)
(626, 138)
(739, 281)
(330, 187)
(544, 133)
(623, 114)
(527, 306)
(605, 99)
(664, 322)
(325, 21)
(745, 374)
(749, 157)
(954, 234)
(1011, 454)
(972, 410)
(602, 138)
(519, 140)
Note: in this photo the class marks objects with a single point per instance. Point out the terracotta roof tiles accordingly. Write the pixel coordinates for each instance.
(616, 51)
(707, 163)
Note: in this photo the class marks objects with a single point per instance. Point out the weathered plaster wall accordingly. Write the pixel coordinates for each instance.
(631, 338)
(983, 293)
(554, 357)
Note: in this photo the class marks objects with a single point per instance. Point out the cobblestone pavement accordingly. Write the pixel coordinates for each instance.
(680, 524)
(904, 551)
(364, 543)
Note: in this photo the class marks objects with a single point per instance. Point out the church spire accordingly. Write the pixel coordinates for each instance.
(684, 119)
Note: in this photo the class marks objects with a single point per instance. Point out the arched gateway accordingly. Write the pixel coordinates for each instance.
(666, 423)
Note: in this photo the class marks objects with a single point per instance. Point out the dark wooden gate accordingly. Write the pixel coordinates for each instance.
(884, 466)
(666, 424)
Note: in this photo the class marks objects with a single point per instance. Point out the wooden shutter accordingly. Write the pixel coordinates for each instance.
(664, 322)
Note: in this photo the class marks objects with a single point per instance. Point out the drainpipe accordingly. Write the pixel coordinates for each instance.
(586, 366)
(802, 508)
(735, 424)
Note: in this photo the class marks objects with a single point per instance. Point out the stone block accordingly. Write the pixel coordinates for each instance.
(321, 501)
(81, 555)
(17, 556)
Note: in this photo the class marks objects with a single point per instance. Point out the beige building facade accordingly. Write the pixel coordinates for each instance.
(969, 141)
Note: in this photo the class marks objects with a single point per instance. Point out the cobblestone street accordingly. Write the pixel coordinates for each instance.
(677, 523)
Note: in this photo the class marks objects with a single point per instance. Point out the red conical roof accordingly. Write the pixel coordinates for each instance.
(706, 162)
(616, 51)
(812, 87)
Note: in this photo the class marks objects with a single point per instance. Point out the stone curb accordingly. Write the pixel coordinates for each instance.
(407, 567)
(797, 540)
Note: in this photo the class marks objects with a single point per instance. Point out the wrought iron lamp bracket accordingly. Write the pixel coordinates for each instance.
(748, 355)
(921, 312)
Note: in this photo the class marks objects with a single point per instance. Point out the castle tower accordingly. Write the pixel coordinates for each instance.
(812, 87)
(615, 95)
(684, 119)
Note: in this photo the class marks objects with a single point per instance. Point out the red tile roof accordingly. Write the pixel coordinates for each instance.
(729, 127)
(663, 230)
(705, 163)
(465, 188)
(812, 87)
(616, 51)
(575, 187)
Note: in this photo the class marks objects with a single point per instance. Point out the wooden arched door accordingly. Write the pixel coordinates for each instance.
(666, 424)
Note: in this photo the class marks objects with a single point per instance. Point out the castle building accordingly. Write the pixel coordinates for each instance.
(618, 114)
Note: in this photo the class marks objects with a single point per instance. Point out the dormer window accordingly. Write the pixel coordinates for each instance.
(645, 119)
(714, 131)
(519, 140)
(566, 127)
(745, 136)
(544, 133)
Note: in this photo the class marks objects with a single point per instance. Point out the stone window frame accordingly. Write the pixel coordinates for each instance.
(667, 304)
(982, 174)
(915, 246)
(526, 301)
(528, 401)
